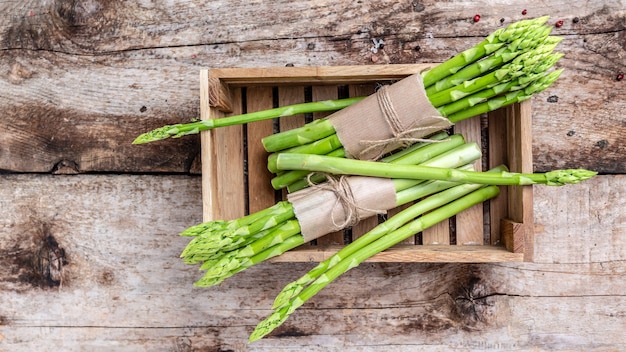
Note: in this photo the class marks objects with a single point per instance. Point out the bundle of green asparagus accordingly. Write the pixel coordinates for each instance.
(228, 247)
(331, 145)
(476, 81)
(397, 228)
(509, 75)
(475, 188)
(496, 72)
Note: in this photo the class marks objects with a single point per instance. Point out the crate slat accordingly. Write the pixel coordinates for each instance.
(437, 234)
(321, 75)
(260, 196)
(497, 137)
(519, 133)
(469, 223)
(288, 95)
(320, 93)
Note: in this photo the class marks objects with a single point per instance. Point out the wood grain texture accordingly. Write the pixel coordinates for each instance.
(118, 71)
(497, 135)
(518, 129)
(259, 195)
(225, 158)
(408, 252)
(124, 287)
(469, 223)
(437, 234)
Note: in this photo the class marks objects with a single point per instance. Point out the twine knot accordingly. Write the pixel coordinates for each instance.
(402, 136)
(340, 186)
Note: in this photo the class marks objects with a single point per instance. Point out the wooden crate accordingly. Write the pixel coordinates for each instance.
(235, 180)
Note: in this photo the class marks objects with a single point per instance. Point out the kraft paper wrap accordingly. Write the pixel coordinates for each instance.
(321, 211)
(396, 115)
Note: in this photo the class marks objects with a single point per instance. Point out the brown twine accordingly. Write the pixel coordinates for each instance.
(402, 136)
(343, 192)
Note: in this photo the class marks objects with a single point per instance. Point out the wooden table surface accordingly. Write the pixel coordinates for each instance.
(89, 223)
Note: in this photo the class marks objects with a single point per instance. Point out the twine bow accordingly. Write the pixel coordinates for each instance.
(340, 186)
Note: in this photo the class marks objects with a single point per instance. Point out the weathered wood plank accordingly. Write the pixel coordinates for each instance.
(116, 244)
(87, 112)
(81, 81)
(101, 27)
(587, 222)
(427, 326)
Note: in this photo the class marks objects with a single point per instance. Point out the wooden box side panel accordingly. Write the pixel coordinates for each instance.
(405, 253)
(223, 196)
(321, 75)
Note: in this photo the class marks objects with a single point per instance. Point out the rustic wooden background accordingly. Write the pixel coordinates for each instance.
(88, 223)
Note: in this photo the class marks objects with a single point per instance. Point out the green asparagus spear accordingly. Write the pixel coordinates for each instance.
(340, 166)
(179, 130)
(284, 308)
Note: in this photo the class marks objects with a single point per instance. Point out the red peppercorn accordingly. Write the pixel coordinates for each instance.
(476, 18)
(524, 12)
(620, 76)
(558, 23)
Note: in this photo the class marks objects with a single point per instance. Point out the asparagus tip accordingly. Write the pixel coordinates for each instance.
(143, 138)
(538, 20)
(205, 227)
(554, 75)
(568, 176)
(154, 135)
(291, 290)
(266, 326)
